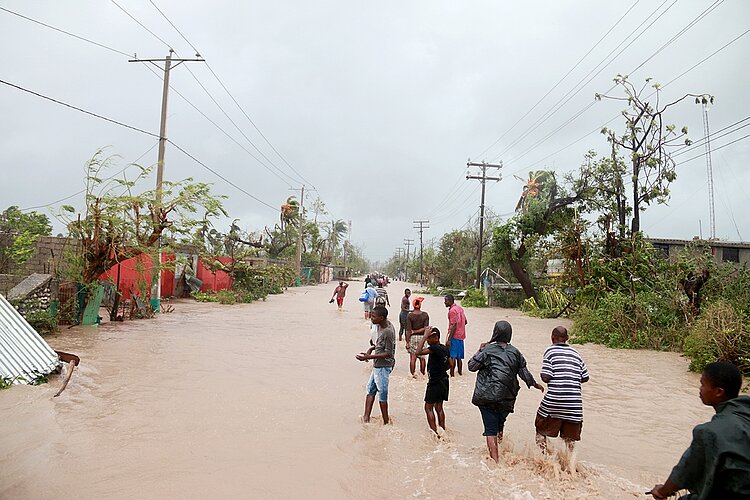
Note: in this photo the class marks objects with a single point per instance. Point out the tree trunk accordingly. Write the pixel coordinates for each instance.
(523, 278)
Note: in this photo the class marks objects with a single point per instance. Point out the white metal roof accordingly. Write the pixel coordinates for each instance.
(24, 355)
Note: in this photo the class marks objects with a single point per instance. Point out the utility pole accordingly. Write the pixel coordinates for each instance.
(408, 242)
(421, 225)
(399, 255)
(484, 166)
(156, 259)
(299, 231)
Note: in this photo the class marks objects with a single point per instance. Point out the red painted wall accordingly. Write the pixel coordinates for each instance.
(138, 269)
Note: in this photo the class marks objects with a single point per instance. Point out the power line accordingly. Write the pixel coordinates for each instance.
(712, 136)
(152, 71)
(217, 174)
(144, 132)
(141, 24)
(714, 149)
(66, 32)
(132, 163)
(79, 109)
(720, 49)
(559, 81)
(208, 66)
(581, 84)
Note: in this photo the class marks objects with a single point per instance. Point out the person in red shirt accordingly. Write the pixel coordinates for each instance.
(340, 293)
(456, 334)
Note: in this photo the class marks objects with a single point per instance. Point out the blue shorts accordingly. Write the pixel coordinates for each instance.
(378, 383)
(457, 349)
(494, 421)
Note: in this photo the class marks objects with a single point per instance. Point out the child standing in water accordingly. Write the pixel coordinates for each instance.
(437, 384)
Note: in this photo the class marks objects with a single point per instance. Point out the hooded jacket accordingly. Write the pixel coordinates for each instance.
(499, 365)
(717, 463)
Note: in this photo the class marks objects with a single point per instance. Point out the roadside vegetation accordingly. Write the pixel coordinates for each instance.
(619, 290)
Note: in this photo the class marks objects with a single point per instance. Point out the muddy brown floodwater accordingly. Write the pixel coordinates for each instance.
(264, 400)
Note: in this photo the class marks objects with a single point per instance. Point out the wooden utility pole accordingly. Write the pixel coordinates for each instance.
(299, 231)
(483, 178)
(156, 258)
(421, 225)
(408, 243)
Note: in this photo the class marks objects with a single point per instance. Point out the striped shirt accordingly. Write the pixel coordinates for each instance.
(563, 396)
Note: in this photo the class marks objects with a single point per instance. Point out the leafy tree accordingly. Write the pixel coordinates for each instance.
(119, 223)
(543, 208)
(19, 232)
(648, 141)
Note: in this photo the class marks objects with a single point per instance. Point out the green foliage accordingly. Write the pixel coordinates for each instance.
(509, 299)
(549, 303)
(209, 296)
(250, 284)
(722, 333)
(120, 222)
(20, 232)
(474, 298)
(6, 383)
(648, 320)
(43, 322)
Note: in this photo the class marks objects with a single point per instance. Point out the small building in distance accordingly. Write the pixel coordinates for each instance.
(737, 252)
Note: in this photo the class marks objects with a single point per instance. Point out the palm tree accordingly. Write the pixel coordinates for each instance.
(336, 233)
(289, 211)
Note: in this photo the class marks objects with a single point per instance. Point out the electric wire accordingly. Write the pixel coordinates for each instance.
(692, 23)
(66, 32)
(714, 135)
(717, 51)
(116, 122)
(576, 88)
(131, 164)
(148, 133)
(216, 76)
(217, 174)
(559, 81)
(141, 24)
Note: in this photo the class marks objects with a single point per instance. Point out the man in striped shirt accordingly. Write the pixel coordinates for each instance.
(561, 410)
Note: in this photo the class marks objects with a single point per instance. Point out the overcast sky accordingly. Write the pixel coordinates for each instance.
(376, 104)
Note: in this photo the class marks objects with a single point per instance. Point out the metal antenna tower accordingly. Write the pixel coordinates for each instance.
(710, 172)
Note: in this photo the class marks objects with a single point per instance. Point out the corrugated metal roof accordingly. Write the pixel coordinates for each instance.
(24, 355)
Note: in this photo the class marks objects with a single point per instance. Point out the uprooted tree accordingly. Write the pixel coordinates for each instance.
(119, 221)
(543, 207)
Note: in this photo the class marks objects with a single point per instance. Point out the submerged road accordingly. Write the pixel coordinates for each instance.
(263, 400)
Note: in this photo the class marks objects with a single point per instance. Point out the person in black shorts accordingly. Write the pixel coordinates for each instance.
(437, 383)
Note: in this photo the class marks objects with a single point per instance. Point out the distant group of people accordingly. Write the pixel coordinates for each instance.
(716, 465)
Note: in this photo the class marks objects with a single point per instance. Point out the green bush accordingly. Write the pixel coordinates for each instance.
(509, 299)
(649, 320)
(43, 322)
(474, 298)
(227, 297)
(721, 333)
(209, 296)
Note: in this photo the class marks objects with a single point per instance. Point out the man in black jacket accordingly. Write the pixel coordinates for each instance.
(498, 365)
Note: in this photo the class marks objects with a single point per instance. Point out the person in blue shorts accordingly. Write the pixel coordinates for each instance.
(383, 356)
(456, 334)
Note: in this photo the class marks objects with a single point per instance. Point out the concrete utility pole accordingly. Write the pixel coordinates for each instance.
(421, 225)
(299, 231)
(156, 259)
(399, 255)
(408, 243)
(484, 166)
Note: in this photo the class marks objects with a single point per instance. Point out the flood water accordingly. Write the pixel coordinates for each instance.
(264, 400)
